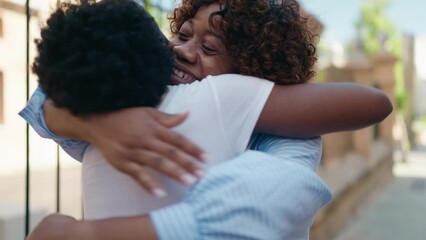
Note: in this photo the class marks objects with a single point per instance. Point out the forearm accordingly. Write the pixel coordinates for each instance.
(131, 139)
(233, 194)
(129, 228)
(62, 123)
(33, 113)
(314, 109)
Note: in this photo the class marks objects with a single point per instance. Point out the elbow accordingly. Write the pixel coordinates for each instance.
(383, 106)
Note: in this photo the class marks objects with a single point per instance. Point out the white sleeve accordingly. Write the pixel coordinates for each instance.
(240, 101)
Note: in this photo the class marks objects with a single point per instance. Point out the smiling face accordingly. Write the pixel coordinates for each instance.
(199, 48)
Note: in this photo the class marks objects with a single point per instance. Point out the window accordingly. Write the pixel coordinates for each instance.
(1, 27)
(1, 98)
(376, 127)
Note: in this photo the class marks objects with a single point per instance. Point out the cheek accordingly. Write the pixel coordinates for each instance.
(218, 66)
(225, 65)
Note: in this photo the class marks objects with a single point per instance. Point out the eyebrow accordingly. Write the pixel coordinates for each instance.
(208, 30)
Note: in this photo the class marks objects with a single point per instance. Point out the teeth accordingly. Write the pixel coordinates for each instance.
(186, 77)
(177, 72)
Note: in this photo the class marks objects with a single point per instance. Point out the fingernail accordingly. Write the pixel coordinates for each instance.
(188, 179)
(199, 173)
(158, 192)
(204, 157)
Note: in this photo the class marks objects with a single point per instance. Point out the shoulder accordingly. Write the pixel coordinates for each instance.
(236, 79)
(224, 80)
(239, 86)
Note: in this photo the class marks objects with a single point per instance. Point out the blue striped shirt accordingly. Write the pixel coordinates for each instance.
(254, 196)
(34, 115)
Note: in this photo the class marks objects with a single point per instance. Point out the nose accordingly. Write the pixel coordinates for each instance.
(186, 52)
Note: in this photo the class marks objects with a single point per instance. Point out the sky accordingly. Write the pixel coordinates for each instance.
(339, 16)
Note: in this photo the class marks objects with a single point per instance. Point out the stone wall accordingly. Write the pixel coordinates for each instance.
(356, 164)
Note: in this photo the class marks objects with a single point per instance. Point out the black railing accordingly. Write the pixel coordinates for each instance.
(27, 170)
(158, 10)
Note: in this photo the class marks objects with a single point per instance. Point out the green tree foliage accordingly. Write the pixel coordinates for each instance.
(378, 33)
(373, 25)
(157, 12)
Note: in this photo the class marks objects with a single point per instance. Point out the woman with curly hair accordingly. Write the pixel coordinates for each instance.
(211, 38)
(266, 39)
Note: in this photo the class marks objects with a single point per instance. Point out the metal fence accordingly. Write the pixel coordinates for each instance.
(158, 9)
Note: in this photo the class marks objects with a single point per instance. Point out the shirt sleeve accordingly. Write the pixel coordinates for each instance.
(33, 114)
(306, 151)
(240, 101)
(255, 196)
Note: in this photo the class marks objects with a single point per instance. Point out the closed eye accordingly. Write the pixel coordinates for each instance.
(208, 50)
(183, 36)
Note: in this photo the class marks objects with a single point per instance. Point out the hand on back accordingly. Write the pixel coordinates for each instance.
(136, 138)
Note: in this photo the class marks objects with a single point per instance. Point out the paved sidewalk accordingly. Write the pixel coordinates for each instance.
(399, 212)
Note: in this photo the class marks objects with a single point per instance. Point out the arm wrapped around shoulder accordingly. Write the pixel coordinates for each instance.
(314, 109)
(254, 196)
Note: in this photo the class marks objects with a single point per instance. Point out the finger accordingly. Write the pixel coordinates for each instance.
(180, 142)
(140, 175)
(168, 120)
(184, 160)
(163, 165)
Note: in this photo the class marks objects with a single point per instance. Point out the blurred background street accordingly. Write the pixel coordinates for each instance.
(399, 210)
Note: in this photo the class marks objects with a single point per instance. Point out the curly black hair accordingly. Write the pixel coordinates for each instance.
(102, 56)
(265, 38)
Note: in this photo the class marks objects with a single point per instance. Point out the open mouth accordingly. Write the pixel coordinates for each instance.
(181, 77)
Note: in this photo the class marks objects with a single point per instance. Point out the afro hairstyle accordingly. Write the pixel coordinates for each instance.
(98, 57)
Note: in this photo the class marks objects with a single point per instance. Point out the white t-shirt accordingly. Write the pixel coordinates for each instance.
(223, 111)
